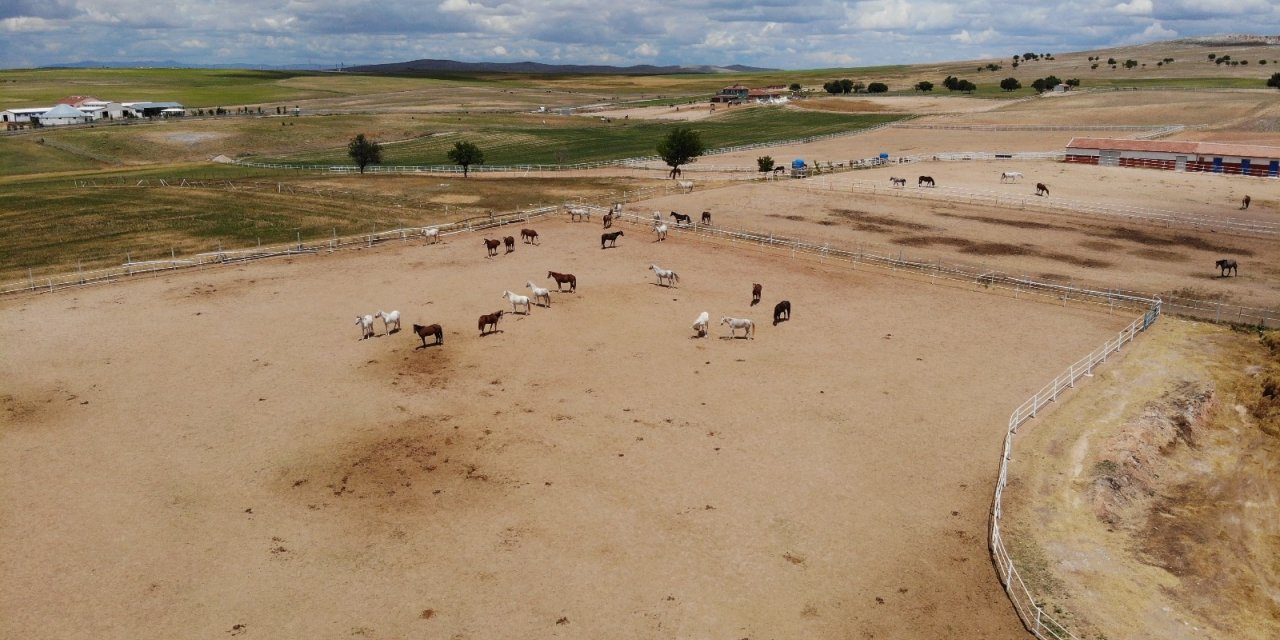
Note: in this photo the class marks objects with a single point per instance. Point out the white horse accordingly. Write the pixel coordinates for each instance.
(539, 293)
(701, 324)
(517, 301)
(748, 327)
(665, 274)
(685, 185)
(388, 319)
(366, 326)
(576, 213)
(432, 234)
(661, 230)
(1010, 176)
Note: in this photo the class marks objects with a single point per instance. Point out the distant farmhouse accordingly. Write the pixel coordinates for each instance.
(740, 94)
(1177, 155)
(87, 109)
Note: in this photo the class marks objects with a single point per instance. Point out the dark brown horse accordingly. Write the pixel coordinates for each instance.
(1244, 204)
(706, 217)
(681, 218)
(529, 235)
(510, 241)
(562, 278)
(1227, 266)
(610, 238)
(492, 246)
(755, 294)
(926, 180)
(1041, 189)
(608, 220)
(429, 330)
(781, 311)
(487, 320)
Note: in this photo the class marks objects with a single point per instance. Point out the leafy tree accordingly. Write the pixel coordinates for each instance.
(924, 85)
(1010, 84)
(1129, 64)
(1274, 81)
(364, 151)
(1094, 66)
(832, 87)
(857, 86)
(966, 86)
(764, 164)
(1051, 81)
(846, 86)
(681, 146)
(466, 154)
(1212, 56)
(877, 87)
(1038, 85)
(1111, 61)
(1073, 82)
(795, 86)
(950, 83)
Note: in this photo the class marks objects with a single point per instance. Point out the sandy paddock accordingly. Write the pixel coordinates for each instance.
(216, 453)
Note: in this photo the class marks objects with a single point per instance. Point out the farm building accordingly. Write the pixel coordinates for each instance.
(1177, 155)
(21, 116)
(60, 115)
(732, 94)
(152, 109)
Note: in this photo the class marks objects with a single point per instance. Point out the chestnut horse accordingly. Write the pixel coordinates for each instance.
(755, 294)
(429, 330)
(487, 320)
(529, 235)
(562, 278)
(492, 246)
(1041, 190)
(510, 241)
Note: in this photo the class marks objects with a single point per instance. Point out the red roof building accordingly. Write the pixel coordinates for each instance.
(1177, 155)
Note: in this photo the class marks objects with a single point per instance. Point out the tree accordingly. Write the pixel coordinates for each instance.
(1073, 82)
(466, 154)
(846, 86)
(1129, 64)
(764, 164)
(364, 151)
(832, 87)
(1051, 81)
(795, 87)
(877, 87)
(1010, 84)
(681, 146)
(1274, 81)
(950, 83)
(924, 85)
(966, 86)
(1038, 85)
(857, 86)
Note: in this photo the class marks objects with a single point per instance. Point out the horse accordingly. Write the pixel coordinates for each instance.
(681, 218)
(1041, 190)
(748, 327)
(492, 246)
(781, 311)
(897, 182)
(778, 169)
(576, 213)
(562, 278)
(529, 235)
(608, 220)
(755, 294)
(706, 217)
(665, 274)
(1226, 265)
(700, 325)
(926, 180)
(1244, 204)
(510, 241)
(661, 230)
(429, 330)
(685, 185)
(366, 326)
(389, 319)
(517, 301)
(432, 234)
(539, 293)
(1010, 176)
(611, 238)
(487, 320)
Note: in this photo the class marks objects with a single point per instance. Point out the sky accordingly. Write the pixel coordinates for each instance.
(804, 34)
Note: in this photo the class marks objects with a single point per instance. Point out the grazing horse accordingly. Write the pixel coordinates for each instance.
(1226, 266)
(897, 182)
(685, 185)
(489, 319)
(681, 218)
(1010, 176)
(429, 330)
(781, 311)
(755, 293)
(529, 235)
(748, 327)
(510, 241)
(611, 238)
(1244, 204)
(926, 180)
(1041, 190)
(700, 325)
(665, 274)
(576, 213)
(539, 293)
(492, 246)
(661, 230)
(706, 217)
(517, 301)
(562, 278)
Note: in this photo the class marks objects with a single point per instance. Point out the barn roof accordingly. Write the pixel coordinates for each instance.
(64, 111)
(1188, 147)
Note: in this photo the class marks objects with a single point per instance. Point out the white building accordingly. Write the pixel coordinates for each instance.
(62, 114)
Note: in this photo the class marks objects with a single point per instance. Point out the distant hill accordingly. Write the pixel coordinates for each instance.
(453, 66)
(173, 64)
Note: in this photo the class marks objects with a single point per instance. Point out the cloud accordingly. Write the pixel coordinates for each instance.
(1154, 32)
(645, 50)
(965, 37)
(1134, 8)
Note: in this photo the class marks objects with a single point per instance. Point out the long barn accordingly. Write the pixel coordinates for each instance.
(1177, 155)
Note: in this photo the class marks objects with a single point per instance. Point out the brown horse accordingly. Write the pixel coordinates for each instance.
(492, 246)
(1227, 266)
(487, 320)
(1244, 204)
(608, 220)
(681, 218)
(429, 330)
(529, 235)
(610, 238)
(510, 241)
(755, 294)
(562, 278)
(706, 217)
(781, 311)
(1041, 190)
(926, 180)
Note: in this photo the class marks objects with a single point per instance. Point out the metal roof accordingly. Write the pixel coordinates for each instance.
(1176, 146)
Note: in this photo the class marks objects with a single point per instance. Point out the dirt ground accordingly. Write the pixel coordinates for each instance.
(216, 452)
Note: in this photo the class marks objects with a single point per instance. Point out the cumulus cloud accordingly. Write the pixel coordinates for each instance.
(965, 37)
(645, 50)
(1134, 8)
(1154, 32)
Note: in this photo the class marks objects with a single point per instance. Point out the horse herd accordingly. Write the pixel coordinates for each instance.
(1005, 176)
